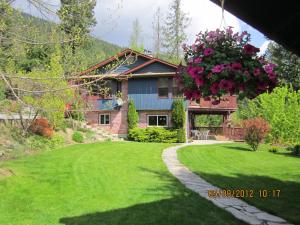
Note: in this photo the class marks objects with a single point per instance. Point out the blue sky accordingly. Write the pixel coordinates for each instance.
(115, 18)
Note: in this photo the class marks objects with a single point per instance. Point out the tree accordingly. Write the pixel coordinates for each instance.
(174, 29)
(288, 64)
(133, 116)
(136, 39)
(77, 19)
(157, 32)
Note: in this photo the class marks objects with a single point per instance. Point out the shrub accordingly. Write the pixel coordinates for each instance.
(77, 137)
(255, 131)
(36, 142)
(153, 134)
(41, 127)
(181, 137)
(274, 149)
(178, 113)
(132, 116)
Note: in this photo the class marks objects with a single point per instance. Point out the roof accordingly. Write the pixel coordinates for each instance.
(278, 20)
(142, 62)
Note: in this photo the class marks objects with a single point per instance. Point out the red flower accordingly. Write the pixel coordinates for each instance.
(195, 71)
(214, 88)
(250, 49)
(199, 81)
(236, 66)
(226, 85)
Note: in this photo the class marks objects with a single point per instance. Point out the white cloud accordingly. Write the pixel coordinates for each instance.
(264, 47)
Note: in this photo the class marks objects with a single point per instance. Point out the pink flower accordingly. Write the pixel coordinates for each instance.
(196, 95)
(216, 102)
(199, 81)
(188, 94)
(214, 88)
(236, 66)
(256, 71)
(196, 71)
(207, 98)
(226, 85)
(250, 49)
(272, 76)
(208, 51)
(217, 69)
(198, 60)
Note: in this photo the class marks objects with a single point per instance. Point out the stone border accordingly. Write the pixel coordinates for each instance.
(238, 208)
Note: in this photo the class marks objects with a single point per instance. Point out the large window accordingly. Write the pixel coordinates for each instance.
(158, 120)
(163, 87)
(176, 93)
(104, 119)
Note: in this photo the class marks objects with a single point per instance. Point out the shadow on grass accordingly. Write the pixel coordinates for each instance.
(238, 148)
(285, 204)
(182, 207)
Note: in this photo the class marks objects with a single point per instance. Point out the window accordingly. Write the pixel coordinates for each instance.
(175, 90)
(158, 120)
(104, 119)
(163, 87)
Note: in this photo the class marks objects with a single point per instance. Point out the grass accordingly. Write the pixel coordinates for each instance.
(234, 166)
(108, 183)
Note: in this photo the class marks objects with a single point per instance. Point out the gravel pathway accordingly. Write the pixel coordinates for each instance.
(235, 206)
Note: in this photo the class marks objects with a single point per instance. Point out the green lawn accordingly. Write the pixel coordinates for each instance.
(233, 166)
(104, 183)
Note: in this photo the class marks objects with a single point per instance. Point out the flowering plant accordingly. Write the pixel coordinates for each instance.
(221, 62)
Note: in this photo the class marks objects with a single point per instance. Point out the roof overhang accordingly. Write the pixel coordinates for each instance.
(278, 20)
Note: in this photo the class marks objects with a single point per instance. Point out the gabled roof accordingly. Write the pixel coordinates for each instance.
(148, 60)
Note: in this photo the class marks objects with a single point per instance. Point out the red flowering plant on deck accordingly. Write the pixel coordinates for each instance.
(222, 63)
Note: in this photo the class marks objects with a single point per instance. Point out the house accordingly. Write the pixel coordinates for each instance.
(150, 83)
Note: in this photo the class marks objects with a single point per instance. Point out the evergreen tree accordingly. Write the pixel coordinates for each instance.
(288, 64)
(77, 18)
(136, 39)
(157, 32)
(133, 116)
(174, 29)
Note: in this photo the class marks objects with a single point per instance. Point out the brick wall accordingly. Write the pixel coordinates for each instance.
(118, 118)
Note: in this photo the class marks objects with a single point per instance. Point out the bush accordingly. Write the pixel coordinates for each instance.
(274, 149)
(77, 137)
(36, 142)
(181, 136)
(153, 134)
(41, 127)
(255, 131)
(132, 116)
(178, 113)
(295, 149)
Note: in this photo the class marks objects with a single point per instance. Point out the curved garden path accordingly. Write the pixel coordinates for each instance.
(235, 206)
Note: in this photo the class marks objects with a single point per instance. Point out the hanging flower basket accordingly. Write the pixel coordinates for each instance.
(222, 63)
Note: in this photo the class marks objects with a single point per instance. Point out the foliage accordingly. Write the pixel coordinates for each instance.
(208, 120)
(178, 113)
(281, 109)
(132, 116)
(36, 142)
(295, 149)
(255, 131)
(77, 137)
(288, 64)
(174, 29)
(136, 40)
(153, 134)
(77, 19)
(221, 63)
(41, 127)
(181, 135)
